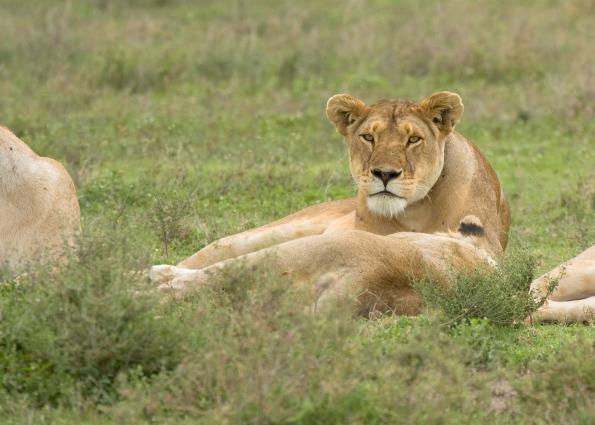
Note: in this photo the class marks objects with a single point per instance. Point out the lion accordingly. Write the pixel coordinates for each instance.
(573, 298)
(415, 175)
(374, 272)
(39, 210)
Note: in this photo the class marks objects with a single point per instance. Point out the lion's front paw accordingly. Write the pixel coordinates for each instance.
(162, 274)
(174, 280)
(173, 288)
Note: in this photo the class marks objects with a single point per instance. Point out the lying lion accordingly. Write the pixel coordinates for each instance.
(416, 177)
(375, 271)
(573, 299)
(413, 171)
(39, 211)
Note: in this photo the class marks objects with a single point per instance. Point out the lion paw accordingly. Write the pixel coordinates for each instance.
(162, 274)
(174, 280)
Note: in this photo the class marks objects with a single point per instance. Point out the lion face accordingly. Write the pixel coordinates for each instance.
(396, 148)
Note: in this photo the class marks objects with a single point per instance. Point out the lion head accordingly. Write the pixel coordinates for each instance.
(396, 147)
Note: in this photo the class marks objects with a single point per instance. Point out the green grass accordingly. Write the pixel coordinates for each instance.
(182, 122)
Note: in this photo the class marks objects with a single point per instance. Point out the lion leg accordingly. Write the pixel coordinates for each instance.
(574, 311)
(573, 299)
(297, 258)
(179, 281)
(363, 295)
(330, 289)
(164, 274)
(576, 279)
(310, 221)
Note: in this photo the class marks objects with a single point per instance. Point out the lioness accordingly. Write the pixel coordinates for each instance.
(372, 270)
(414, 174)
(39, 211)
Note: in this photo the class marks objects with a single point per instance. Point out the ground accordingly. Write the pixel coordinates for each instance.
(182, 122)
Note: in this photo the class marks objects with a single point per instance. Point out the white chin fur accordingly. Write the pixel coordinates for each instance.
(386, 206)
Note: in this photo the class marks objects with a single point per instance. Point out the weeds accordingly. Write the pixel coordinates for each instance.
(500, 296)
(262, 359)
(578, 208)
(70, 334)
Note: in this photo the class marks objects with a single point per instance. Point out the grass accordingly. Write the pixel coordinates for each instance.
(182, 122)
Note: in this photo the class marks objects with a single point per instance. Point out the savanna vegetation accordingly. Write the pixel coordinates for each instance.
(184, 121)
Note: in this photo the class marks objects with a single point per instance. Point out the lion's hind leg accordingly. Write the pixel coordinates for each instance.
(573, 299)
(575, 311)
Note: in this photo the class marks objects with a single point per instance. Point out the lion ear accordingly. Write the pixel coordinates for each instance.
(343, 110)
(444, 109)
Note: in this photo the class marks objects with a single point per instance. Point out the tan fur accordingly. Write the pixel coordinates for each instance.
(375, 271)
(39, 211)
(573, 300)
(441, 179)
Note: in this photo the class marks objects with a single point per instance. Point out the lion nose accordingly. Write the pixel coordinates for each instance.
(387, 175)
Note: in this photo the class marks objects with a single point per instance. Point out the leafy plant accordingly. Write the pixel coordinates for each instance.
(500, 295)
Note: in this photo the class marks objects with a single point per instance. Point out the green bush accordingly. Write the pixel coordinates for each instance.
(68, 334)
(500, 295)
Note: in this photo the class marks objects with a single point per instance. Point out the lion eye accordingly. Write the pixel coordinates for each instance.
(413, 139)
(368, 137)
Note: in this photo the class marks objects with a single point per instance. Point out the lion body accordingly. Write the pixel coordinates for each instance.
(372, 270)
(416, 177)
(39, 211)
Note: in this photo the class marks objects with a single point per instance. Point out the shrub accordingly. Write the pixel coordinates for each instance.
(69, 334)
(500, 295)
